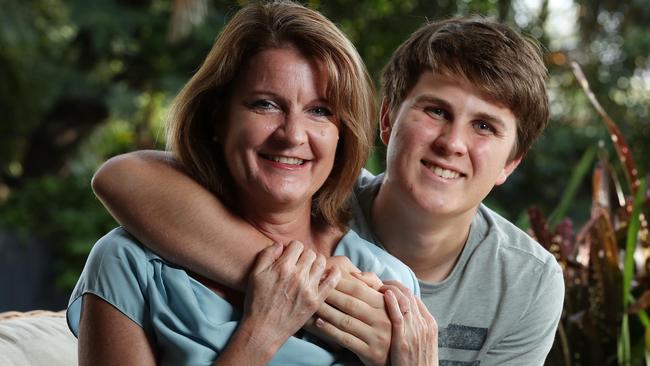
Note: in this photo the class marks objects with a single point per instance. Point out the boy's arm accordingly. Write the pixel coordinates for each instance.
(174, 216)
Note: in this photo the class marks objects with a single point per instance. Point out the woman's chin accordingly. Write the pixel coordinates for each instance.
(287, 197)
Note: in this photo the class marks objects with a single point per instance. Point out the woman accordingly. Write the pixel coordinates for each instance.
(276, 122)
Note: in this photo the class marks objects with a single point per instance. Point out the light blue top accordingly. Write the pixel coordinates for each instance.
(187, 322)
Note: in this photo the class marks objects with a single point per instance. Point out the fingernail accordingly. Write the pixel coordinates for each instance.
(319, 322)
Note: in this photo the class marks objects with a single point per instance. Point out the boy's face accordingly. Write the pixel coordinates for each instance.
(447, 146)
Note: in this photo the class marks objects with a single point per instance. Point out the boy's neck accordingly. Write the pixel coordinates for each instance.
(429, 244)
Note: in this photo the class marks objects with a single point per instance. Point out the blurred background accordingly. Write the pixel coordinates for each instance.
(81, 81)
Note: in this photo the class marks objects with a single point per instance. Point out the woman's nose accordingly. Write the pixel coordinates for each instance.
(293, 129)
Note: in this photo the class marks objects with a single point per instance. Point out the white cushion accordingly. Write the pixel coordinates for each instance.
(37, 340)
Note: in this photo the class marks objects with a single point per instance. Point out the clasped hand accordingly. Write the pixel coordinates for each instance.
(286, 287)
(381, 323)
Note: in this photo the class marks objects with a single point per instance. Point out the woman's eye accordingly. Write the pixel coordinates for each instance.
(321, 111)
(262, 104)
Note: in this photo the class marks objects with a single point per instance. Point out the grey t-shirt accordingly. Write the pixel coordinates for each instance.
(502, 301)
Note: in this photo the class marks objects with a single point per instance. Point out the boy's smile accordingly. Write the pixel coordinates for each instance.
(448, 145)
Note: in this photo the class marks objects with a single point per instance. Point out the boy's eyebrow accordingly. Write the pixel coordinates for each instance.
(428, 98)
(487, 117)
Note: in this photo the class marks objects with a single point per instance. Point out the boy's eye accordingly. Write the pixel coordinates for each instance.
(437, 112)
(484, 128)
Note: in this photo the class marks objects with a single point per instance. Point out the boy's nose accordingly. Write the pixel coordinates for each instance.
(451, 140)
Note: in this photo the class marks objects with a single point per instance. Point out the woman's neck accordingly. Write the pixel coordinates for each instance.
(294, 223)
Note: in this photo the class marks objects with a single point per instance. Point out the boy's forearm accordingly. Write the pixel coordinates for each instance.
(177, 218)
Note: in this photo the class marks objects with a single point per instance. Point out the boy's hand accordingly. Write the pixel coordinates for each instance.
(414, 330)
(354, 317)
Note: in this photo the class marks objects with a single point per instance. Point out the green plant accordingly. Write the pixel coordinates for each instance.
(605, 263)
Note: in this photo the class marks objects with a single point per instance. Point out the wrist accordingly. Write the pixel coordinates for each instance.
(258, 339)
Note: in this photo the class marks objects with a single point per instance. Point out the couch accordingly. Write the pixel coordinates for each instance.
(36, 338)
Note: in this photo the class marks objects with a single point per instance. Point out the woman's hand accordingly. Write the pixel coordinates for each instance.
(286, 287)
(354, 317)
(414, 330)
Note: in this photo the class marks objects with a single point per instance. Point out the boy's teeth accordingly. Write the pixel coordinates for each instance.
(445, 173)
(286, 160)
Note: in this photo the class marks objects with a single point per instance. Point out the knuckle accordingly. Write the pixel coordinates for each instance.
(298, 245)
(311, 303)
(385, 324)
(310, 254)
(377, 355)
(403, 346)
(320, 260)
(346, 340)
(285, 271)
(346, 322)
(383, 340)
(351, 305)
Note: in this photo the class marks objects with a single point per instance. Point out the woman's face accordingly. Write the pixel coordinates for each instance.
(281, 134)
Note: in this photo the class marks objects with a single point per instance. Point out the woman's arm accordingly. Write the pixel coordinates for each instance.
(174, 216)
(108, 337)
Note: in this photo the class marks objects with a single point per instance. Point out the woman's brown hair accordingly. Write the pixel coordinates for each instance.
(200, 108)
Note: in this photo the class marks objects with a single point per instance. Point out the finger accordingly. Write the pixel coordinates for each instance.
(402, 299)
(317, 269)
(357, 288)
(328, 283)
(342, 338)
(393, 309)
(291, 253)
(405, 290)
(350, 305)
(305, 261)
(267, 256)
(369, 278)
(345, 322)
(343, 263)
(425, 312)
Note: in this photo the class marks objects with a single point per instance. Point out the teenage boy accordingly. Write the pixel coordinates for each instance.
(464, 99)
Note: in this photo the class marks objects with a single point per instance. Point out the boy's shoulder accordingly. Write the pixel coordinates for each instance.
(512, 241)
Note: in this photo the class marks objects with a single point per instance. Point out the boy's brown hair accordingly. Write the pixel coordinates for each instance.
(502, 65)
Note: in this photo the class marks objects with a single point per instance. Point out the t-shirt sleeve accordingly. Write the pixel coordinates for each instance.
(532, 338)
(115, 271)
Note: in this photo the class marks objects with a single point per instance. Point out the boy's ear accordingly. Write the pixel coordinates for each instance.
(384, 122)
(507, 170)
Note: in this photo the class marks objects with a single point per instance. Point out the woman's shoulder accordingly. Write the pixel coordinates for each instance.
(118, 243)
